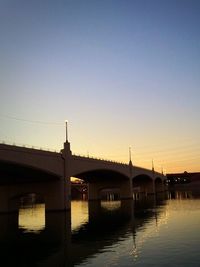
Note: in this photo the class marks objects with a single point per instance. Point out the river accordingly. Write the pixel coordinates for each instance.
(158, 231)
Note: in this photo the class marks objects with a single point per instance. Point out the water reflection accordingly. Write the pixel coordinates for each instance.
(111, 205)
(79, 214)
(147, 224)
(114, 233)
(180, 194)
(32, 219)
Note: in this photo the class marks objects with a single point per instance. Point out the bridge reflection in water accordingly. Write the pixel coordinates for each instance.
(33, 237)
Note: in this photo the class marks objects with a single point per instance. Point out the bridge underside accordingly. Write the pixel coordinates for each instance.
(13, 173)
(17, 181)
(143, 184)
(33, 172)
(101, 180)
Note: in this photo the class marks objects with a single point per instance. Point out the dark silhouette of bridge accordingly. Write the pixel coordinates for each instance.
(47, 174)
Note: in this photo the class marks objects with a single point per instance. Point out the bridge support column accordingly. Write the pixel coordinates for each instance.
(93, 191)
(66, 152)
(159, 185)
(50, 192)
(126, 189)
(153, 187)
(124, 186)
(54, 197)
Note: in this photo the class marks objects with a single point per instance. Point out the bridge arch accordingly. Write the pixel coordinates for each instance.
(17, 172)
(110, 193)
(143, 184)
(100, 180)
(19, 179)
(26, 198)
(100, 174)
(59, 167)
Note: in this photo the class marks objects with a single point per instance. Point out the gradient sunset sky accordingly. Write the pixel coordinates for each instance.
(123, 73)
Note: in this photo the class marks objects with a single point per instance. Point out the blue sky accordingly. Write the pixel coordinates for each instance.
(122, 72)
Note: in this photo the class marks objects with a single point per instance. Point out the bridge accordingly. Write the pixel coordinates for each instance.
(25, 171)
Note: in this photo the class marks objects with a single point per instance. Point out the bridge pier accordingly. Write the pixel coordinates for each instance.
(66, 155)
(50, 193)
(143, 185)
(159, 185)
(125, 188)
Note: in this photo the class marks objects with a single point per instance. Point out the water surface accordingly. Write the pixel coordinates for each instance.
(161, 231)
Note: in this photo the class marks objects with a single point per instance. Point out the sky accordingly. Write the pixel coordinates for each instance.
(123, 73)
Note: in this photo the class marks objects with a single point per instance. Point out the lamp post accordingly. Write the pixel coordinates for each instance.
(131, 176)
(66, 122)
(152, 164)
(66, 174)
(130, 157)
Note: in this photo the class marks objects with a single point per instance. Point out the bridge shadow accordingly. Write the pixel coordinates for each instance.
(57, 245)
(110, 223)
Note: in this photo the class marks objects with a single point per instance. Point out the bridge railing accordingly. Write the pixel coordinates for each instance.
(98, 158)
(112, 161)
(28, 146)
(75, 155)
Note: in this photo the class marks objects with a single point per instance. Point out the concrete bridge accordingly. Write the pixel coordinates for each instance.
(25, 171)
